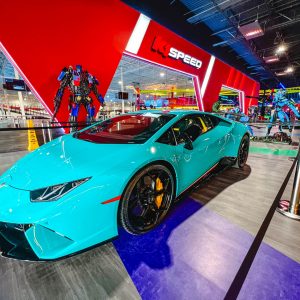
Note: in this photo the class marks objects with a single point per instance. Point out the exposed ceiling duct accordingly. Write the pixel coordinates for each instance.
(255, 31)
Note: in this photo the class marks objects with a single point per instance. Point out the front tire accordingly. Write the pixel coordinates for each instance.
(243, 152)
(147, 199)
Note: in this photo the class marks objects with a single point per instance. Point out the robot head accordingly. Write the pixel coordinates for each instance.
(79, 68)
(237, 109)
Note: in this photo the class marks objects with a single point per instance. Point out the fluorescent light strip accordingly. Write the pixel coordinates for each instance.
(138, 34)
(241, 96)
(196, 86)
(207, 75)
(33, 90)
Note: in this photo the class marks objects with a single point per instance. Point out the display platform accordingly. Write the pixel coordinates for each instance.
(195, 253)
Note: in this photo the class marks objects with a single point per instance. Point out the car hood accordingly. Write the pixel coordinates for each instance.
(66, 159)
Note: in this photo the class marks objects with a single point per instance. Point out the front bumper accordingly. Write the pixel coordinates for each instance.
(58, 229)
(13, 242)
(31, 242)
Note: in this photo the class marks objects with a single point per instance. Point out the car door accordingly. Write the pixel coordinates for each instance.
(216, 135)
(219, 134)
(193, 163)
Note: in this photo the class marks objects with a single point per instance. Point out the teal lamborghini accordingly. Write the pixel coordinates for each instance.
(73, 192)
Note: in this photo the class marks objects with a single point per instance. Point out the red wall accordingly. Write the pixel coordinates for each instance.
(155, 30)
(221, 72)
(44, 36)
(227, 75)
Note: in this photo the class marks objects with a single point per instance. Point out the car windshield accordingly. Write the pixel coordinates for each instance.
(125, 129)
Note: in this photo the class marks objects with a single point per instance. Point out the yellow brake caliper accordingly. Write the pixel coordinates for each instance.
(159, 187)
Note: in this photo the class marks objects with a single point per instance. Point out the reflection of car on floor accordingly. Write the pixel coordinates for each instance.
(72, 193)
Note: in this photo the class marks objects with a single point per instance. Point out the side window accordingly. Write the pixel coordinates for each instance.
(167, 138)
(209, 122)
(190, 125)
(215, 120)
(179, 128)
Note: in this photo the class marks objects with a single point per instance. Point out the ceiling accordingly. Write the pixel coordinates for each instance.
(11, 98)
(214, 25)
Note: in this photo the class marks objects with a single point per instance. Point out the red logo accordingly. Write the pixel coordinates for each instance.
(161, 46)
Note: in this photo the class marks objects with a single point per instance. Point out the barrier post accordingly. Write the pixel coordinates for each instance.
(291, 208)
(44, 135)
(49, 132)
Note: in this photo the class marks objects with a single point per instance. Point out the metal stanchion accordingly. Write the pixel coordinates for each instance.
(49, 132)
(43, 131)
(290, 208)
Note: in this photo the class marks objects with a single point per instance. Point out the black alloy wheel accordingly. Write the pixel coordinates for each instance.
(146, 199)
(243, 152)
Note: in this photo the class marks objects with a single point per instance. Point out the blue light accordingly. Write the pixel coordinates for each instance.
(281, 85)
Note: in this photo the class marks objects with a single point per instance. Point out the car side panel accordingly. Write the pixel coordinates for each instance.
(234, 139)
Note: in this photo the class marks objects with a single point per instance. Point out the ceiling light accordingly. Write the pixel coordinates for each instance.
(289, 70)
(271, 59)
(120, 82)
(162, 74)
(281, 49)
(251, 30)
(253, 33)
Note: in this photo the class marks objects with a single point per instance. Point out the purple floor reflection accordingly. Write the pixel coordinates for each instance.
(272, 276)
(196, 253)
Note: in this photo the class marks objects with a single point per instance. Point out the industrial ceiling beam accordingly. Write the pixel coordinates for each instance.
(252, 18)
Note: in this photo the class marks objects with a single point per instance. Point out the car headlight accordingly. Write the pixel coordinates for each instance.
(53, 193)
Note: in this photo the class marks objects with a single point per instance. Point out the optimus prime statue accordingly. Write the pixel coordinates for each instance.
(81, 84)
(280, 102)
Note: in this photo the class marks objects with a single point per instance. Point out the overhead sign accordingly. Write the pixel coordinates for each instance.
(166, 50)
(15, 84)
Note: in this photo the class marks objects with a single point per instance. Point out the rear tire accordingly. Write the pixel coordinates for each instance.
(243, 152)
(146, 199)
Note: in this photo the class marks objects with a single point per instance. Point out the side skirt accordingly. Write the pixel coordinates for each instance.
(219, 167)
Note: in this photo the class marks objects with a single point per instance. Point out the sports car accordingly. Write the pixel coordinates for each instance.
(76, 191)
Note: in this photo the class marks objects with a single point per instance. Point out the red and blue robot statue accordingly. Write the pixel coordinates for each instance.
(80, 84)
